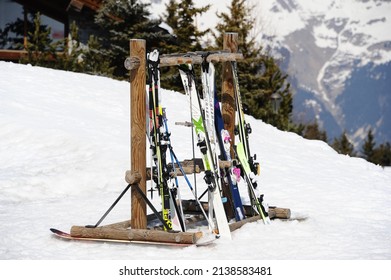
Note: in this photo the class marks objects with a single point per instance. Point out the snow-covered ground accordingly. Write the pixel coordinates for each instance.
(64, 149)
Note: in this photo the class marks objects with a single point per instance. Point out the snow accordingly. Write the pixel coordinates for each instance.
(350, 27)
(325, 37)
(64, 149)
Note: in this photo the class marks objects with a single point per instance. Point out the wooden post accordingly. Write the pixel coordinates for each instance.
(138, 130)
(230, 43)
(228, 106)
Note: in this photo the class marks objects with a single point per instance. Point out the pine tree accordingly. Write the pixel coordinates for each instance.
(41, 50)
(259, 74)
(312, 131)
(11, 37)
(343, 146)
(180, 16)
(172, 19)
(78, 57)
(122, 20)
(382, 154)
(238, 20)
(171, 16)
(94, 60)
(71, 58)
(368, 147)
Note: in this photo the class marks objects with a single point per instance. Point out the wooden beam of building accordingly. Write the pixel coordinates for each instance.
(79, 4)
(12, 55)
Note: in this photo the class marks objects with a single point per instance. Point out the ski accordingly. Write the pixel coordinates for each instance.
(224, 140)
(243, 129)
(64, 235)
(256, 201)
(208, 155)
(157, 138)
(176, 208)
(250, 168)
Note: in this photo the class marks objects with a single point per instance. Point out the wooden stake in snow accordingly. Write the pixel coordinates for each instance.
(230, 43)
(138, 129)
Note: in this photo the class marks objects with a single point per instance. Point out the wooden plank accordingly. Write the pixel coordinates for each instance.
(239, 224)
(197, 58)
(177, 171)
(191, 207)
(136, 234)
(12, 55)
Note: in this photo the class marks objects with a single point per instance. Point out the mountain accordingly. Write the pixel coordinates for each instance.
(337, 54)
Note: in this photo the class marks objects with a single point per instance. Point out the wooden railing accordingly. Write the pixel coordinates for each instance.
(12, 55)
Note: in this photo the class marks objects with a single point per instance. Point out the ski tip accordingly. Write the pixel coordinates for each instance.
(205, 243)
(59, 232)
(90, 226)
(54, 230)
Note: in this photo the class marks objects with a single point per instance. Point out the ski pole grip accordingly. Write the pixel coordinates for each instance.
(132, 177)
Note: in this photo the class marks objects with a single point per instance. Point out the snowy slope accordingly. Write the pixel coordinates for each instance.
(64, 148)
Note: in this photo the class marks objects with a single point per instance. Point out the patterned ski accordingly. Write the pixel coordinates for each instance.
(224, 140)
(159, 144)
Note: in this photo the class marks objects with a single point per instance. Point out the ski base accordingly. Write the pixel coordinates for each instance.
(65, 235)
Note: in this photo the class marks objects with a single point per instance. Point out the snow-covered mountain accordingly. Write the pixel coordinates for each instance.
(338, 56)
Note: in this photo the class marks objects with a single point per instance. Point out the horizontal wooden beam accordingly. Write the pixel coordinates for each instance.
(16, 55)
(198, 58)
(236, 225)
(13, 55)
(189, 166)
(191, 206)
(136, 234)
(177, 172)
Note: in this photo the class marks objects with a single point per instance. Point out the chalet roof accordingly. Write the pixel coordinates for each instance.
(58, 9)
